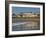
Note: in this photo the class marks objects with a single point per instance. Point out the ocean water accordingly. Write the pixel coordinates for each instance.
(23, 25)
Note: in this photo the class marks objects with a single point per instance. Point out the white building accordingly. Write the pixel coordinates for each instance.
(27, 15)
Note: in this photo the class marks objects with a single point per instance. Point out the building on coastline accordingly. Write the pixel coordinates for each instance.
(29, 14)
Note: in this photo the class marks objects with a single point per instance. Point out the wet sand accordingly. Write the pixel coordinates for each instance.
(25, 24)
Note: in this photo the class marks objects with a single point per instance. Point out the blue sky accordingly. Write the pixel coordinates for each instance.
(18, 10)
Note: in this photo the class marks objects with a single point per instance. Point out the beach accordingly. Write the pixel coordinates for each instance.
(22, 24)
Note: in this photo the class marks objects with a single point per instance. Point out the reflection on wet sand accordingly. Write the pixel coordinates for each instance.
(22, 25)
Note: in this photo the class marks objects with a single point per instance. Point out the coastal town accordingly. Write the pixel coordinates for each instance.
(26, 21)
(28, 14)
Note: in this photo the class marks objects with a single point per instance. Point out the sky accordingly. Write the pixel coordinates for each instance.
(18, 10)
